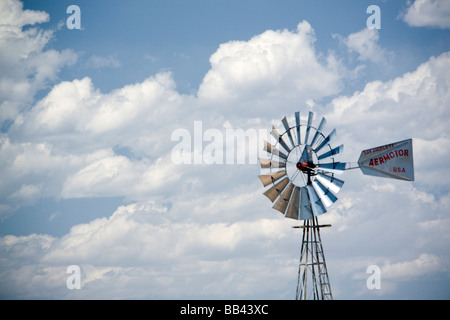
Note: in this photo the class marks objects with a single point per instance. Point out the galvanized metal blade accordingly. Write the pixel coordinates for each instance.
(279, 139)
(273, 150)
(297, 127)
(306, 212)
(275, 191)
(322, 124)
(325, 195)
(332, 152)
(294, 205)
(268, 163)
(267, 179)
(316, 204)
(330, 182)
(308, 127)
(283, 201)
(288, 130)
(325, 141)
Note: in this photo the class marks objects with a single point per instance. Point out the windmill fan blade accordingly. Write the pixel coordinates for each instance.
(332, 183)
(297, 126)
(275, 191)
(283, 201)
(318, 132)
(316, 204)
(330, 137)
(325, 195)
(279, 139)
(267, 179)
(305, 205)
(335, 167)
(288, 130)
(308, 127)
(267, 163)
(294, 205)
(332, 152)
(273, 150)
(306, 154)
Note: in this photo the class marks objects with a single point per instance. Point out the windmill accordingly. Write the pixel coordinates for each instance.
(300, 174)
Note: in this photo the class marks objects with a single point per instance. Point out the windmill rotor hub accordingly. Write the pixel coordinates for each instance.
(306, 166)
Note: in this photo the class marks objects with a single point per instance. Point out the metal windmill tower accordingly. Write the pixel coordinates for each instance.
(300, 174)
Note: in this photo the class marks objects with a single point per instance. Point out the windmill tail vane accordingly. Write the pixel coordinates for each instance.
(300, 176)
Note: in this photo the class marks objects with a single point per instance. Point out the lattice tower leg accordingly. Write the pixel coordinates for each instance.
(313, 281)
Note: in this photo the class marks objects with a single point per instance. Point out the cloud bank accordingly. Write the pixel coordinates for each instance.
(206, 231)
(428, 13)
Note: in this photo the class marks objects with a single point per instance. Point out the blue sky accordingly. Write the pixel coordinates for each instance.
(85, 146)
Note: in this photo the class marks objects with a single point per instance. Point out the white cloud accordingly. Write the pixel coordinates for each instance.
(26, 65)
(408, 270)
(365, 44)
(97, 62)
(76, 107)
(428, 13)
(12, 14)
(411, 105)
(76, 119)
(273, 65)
(209, 231)
(31, 171)
(140, 243)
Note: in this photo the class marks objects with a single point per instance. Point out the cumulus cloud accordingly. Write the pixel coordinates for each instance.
(428, 13)
(208, 230)
(25, 63)
(274, 65)
(12, 14)
(140, 241)
(413, 104)
(365, 44)
(424, 264)
(77, 107)
(76, 119)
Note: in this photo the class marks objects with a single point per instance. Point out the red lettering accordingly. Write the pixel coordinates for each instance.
(388, 156)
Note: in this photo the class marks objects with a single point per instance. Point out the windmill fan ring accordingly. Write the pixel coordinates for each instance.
(301, 169)
(300, 172)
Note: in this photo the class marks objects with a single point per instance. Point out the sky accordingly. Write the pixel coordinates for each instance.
(87, 118)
